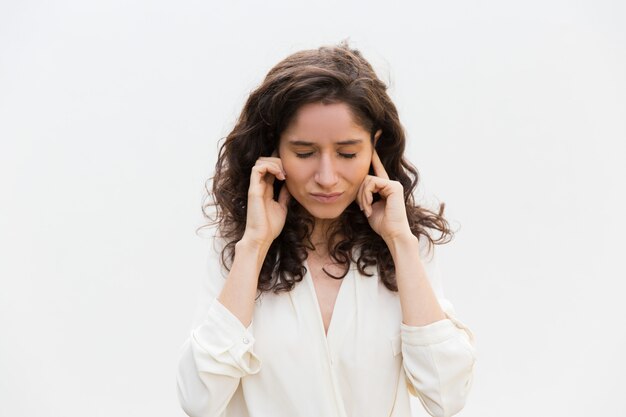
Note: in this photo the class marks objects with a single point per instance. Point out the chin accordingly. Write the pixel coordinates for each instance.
(326, 213)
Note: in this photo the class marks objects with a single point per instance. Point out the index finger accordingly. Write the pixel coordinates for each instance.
(379, 169)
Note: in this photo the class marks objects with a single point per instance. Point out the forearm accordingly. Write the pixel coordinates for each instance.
(218, 352)
(417, 298)
(240, 288)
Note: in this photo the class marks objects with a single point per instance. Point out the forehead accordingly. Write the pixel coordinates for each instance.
(322, 123)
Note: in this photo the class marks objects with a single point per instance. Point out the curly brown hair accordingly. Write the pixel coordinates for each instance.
(329, 74)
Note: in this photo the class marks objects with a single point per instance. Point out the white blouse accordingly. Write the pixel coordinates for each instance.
(284, 365)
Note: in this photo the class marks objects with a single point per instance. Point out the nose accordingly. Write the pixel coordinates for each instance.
(326, 175)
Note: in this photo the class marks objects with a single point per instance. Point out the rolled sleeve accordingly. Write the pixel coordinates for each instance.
(223, 345)
(438, 331)
(438, 361)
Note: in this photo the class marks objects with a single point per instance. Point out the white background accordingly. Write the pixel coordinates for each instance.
(110, 114)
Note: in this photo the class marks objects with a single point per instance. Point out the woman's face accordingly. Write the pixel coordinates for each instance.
(326, 156)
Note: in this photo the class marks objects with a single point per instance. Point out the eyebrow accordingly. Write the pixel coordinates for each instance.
(343, 142)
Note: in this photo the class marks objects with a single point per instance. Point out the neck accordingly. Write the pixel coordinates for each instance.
(319, 236)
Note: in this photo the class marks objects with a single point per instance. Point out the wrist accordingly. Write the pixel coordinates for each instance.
(402, 242)
(404, 236)
(249, 244)
(251, 251)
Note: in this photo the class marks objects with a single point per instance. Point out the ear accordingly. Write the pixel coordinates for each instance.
(377, 136)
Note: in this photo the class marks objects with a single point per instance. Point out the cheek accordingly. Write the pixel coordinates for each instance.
(296, 176)
(289, 166)
(293, 169)
(362, 170)
(296, 187)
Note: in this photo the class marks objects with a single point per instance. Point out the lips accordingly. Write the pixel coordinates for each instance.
(326, 198)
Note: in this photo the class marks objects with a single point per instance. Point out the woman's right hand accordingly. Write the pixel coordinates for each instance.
(265, 216)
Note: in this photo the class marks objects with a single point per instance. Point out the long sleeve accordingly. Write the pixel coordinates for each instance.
(439, 358)
(217, 353)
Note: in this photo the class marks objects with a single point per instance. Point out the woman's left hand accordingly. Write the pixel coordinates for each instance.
(388, 215)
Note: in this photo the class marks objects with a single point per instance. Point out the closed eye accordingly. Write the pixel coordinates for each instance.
(343, 155)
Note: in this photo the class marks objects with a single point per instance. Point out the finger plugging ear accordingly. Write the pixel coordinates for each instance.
(377, 136)
(379, 168)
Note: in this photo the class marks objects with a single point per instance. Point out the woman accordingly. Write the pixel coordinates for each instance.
(326, 301)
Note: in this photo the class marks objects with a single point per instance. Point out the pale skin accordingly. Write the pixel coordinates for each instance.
(325, 151)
